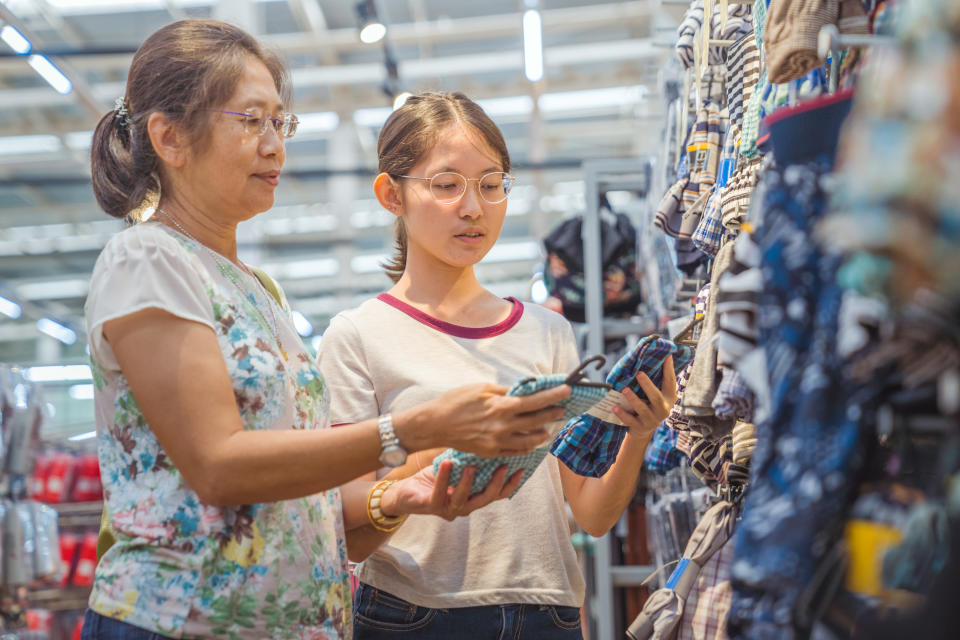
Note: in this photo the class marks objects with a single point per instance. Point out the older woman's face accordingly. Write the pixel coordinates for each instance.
(237, 172)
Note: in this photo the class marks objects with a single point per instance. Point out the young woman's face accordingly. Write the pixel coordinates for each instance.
(459, 234)
(237, 171)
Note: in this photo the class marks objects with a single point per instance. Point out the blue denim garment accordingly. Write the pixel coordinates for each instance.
(379, 615)
(98, 627)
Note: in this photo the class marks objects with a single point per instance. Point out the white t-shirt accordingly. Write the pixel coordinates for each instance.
(386, 356)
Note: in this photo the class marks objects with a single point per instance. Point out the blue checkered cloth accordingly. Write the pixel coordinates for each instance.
(662, 453)
(580, 400)
(588, 445)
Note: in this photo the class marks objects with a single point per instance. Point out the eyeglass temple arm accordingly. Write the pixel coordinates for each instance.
(578, 377)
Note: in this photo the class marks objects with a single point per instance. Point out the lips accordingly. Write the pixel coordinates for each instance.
(270, 177)
(470, 233)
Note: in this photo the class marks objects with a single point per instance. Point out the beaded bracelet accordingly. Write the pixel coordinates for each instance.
(380, 521)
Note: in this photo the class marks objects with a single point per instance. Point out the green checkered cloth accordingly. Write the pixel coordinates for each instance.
(581, 399)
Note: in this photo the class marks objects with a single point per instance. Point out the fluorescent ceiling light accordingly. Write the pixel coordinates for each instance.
(50, 73)
(509, 106)
(367, 264)
(54, 289)
(538, 292)
(401, 99)
(10, 308)
(58, 373)
(54, 329)
(44, 143)
(372, 32)
(592, 99)
(16, 40)
(372, 117)
(79, 140)
(532, 45)
(86, 435)
(304, 327)
(81, 392)
(320, 122)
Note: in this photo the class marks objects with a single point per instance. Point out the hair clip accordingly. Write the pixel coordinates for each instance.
(578, 377)
(123, 114)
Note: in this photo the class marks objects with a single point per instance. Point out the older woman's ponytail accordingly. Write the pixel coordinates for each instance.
(123, 167)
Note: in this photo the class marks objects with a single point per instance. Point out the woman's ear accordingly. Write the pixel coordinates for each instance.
(388, 193)
(168, 140)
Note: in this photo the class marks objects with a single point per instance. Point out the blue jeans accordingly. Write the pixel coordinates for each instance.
(378, 615)
(98, 627)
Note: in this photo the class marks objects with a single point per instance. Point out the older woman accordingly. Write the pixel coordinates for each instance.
(220, 472)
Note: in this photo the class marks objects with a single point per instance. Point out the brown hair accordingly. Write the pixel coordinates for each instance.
(412, 130)
(182, 70)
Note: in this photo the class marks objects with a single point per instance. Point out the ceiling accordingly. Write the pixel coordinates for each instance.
(599, 98)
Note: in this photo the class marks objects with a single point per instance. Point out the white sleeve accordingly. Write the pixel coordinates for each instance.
(142, 268)
(346, 374)
(567, 357)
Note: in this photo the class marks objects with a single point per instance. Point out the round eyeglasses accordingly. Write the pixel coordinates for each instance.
(448, 187)
(284, 124)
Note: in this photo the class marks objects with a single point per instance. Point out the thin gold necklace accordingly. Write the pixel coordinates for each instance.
(224, 266)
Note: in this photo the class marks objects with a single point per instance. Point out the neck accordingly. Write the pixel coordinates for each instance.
(206, 228)
(442, 291)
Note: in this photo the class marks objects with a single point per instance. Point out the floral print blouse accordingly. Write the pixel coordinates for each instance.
(180, 567)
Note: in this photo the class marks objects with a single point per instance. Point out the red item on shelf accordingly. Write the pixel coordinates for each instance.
(38, 481)
(40, 620)
(60, 479)
(77, 629)
(86, 561)
(69, 542)
(88, 485)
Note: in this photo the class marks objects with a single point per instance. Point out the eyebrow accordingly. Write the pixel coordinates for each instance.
(256, 102)
(449, 169)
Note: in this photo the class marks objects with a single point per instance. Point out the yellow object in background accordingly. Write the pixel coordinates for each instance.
(867, 542)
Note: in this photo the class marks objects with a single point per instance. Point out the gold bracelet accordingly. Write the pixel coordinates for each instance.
(377, 518)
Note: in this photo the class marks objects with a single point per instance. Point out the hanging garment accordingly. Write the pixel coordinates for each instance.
(563, 271)
(737, 21)
(734, 398)
(743, 72)
(676, 420)
(708, 605)
(710, 233)
(665, 607)
(662, 454)
(810, 447)
(704, 377)
(589, 444)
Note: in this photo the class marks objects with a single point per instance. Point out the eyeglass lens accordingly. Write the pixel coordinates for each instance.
(285, 125)
(450, 187)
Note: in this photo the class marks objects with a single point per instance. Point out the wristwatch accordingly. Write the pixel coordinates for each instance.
(391, 453)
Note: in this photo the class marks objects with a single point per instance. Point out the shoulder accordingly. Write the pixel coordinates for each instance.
(545, 317)
(142, 241)
(350, 323)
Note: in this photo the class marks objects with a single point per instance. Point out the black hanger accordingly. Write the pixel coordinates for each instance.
(579, 379)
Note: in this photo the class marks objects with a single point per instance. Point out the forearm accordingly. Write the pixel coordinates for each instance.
(264, 466)
(597, 503)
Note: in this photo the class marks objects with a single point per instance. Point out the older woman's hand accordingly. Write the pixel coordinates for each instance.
(430, 493)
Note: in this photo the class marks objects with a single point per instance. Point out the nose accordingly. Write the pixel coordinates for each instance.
(470, 204)
(272, 144)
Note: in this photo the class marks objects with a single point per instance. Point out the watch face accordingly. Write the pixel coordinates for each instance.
(393, 456)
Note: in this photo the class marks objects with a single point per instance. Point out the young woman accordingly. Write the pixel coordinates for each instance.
(510, 569)
(219, 470)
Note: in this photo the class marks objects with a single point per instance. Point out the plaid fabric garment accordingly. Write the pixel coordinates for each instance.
(588, 445)
(662, 453)
(710, 233)
(580, 400)
(734, 398)
(703, 155)
(707, 606)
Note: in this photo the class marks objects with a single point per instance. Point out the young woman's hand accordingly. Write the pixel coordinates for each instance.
(430, 493)
(482, 419)
(646, 415)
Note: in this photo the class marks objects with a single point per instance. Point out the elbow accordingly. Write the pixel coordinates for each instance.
(212, 487)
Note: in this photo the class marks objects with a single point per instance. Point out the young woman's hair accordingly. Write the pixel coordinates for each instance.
(412, 130)
(182, 70)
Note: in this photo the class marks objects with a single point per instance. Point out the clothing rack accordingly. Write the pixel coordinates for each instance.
(830, 41)
(602, 176)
